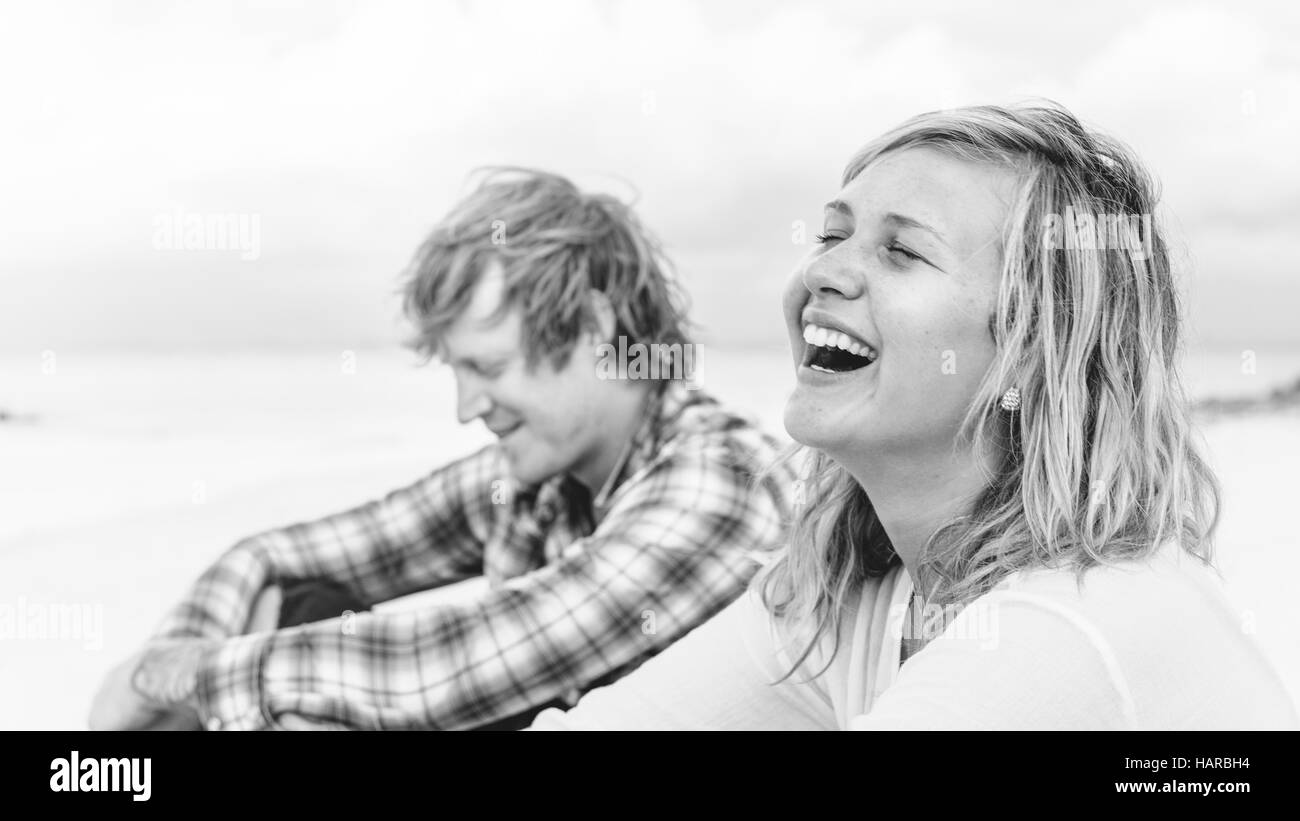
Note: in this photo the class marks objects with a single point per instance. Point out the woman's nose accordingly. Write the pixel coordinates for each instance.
(830, 275)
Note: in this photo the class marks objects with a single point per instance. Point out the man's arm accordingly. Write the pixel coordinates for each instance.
(421, 536)
(673, 550)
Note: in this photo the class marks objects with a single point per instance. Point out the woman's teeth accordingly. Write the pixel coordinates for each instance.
(835, 351)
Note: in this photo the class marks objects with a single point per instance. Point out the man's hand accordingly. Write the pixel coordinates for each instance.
(153, 689)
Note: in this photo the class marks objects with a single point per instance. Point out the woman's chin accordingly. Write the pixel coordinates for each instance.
(809, 425)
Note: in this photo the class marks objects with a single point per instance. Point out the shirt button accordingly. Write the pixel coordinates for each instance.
(214, 724)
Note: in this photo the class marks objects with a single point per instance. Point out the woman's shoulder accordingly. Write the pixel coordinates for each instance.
(1169, 576)
(1164, 628)
(1147, 644)
(1169, 598)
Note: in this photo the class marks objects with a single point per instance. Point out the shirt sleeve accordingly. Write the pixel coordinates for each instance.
(673, 549)
(1011, 661)
(725, 675)
(421, 536)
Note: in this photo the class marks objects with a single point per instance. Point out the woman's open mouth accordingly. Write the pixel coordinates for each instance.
(832, 351)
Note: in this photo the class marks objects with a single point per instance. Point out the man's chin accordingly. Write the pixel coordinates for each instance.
(525, 472)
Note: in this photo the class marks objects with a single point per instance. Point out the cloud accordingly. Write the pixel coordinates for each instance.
(349, 129)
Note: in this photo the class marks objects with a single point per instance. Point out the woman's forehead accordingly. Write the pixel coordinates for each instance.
(962, 200)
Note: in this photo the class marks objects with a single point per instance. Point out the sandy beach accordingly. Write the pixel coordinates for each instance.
(123, 476)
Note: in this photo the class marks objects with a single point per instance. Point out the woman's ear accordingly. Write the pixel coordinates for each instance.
(603, 314)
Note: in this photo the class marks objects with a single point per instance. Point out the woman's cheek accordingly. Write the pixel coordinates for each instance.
(792, 301)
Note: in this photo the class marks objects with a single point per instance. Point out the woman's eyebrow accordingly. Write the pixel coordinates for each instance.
(910, 222)
(842, 207)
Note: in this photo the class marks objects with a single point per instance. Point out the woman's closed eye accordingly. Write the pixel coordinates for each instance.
(901, 255)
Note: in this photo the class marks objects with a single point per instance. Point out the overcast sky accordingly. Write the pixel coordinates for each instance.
(348, 129)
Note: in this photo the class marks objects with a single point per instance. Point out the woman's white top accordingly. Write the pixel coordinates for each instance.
(1144, 645)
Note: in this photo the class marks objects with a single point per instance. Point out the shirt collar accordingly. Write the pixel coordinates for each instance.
(643, 443)
(664, 405)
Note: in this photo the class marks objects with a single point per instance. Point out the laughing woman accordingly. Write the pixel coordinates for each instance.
(1007, 523)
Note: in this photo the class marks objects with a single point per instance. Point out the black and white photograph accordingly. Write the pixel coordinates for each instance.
(650, 366)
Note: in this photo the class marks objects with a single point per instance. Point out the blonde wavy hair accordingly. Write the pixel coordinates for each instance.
(1100, 463)
(555, 244)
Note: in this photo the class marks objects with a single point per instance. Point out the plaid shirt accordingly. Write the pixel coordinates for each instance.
(580, 590)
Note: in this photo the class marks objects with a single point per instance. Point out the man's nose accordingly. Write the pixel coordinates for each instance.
(472, 401)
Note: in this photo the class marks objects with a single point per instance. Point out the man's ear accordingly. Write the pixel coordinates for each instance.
(603, 314)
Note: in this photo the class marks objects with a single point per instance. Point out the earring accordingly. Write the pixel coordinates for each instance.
(1011, 399)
